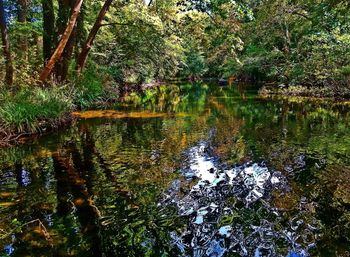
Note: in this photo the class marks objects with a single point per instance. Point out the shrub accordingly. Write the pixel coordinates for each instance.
(89, 88)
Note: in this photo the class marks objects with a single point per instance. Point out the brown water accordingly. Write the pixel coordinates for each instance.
(184, 170)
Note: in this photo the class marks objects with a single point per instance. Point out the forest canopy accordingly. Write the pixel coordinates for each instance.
(296, 42)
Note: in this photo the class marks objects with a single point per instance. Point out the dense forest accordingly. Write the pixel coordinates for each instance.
(66, 54)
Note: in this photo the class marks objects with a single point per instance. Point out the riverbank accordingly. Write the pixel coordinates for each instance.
(318, 92)
(11, 136)
(31, 112)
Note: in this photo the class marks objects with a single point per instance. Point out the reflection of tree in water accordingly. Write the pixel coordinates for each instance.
(241, 89)
(100, 189)
(332, 193)
(74, 223)
(28, 204)
(131, 223)
(73, 174)
(226, 139)
(171, 98)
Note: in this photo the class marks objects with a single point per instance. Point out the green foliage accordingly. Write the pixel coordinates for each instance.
(195, 64)
(88, 89)
(298, 43)
(140, 45)
(345, 70)
(294, 43)
(27, 110)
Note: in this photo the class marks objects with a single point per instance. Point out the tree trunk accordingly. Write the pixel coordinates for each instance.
(62, 65)
(22, 6)
(62, 44)
(66, 56)
(6, 46)
(48, 29)
(88, 43)
(81, 33)
(65, 8)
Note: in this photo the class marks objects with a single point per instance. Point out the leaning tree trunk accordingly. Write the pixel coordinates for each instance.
(6, 46)
(65, 8)
(62, 75)
(48, 29)
(88, 43)
(62, 65)
(62, 44)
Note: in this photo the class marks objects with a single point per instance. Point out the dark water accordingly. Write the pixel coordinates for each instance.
(190, 170)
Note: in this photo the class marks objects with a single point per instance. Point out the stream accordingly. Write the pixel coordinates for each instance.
(184, 170)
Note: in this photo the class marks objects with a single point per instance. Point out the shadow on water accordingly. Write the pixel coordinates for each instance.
(186, 170)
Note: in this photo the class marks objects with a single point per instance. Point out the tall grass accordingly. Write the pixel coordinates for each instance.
(29, 109)
(32, 108)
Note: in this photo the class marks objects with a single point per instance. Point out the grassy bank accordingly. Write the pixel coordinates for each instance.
(36, 110)
(31, 111)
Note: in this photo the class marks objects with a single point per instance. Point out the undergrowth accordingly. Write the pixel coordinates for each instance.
(28, 109)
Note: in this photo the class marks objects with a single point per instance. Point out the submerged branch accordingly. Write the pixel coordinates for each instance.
(41, 226)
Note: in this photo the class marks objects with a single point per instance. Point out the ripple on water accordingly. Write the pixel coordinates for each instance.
(228, 210)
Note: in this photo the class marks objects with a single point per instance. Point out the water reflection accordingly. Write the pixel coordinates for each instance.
(189, 170)
(229, 211)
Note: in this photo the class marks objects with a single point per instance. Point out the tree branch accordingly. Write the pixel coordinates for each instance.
(116, 23)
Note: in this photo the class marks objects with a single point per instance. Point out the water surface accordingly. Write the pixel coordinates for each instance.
(184, 170)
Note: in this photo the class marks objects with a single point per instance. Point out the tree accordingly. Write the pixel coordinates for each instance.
(298, 43)
(6, 46)
(63, 42)
(141, 42)
(62, 65)
(48, 28)
(88, 43)
(22, 10)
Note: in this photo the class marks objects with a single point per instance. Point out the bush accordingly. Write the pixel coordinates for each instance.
(89, 88)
